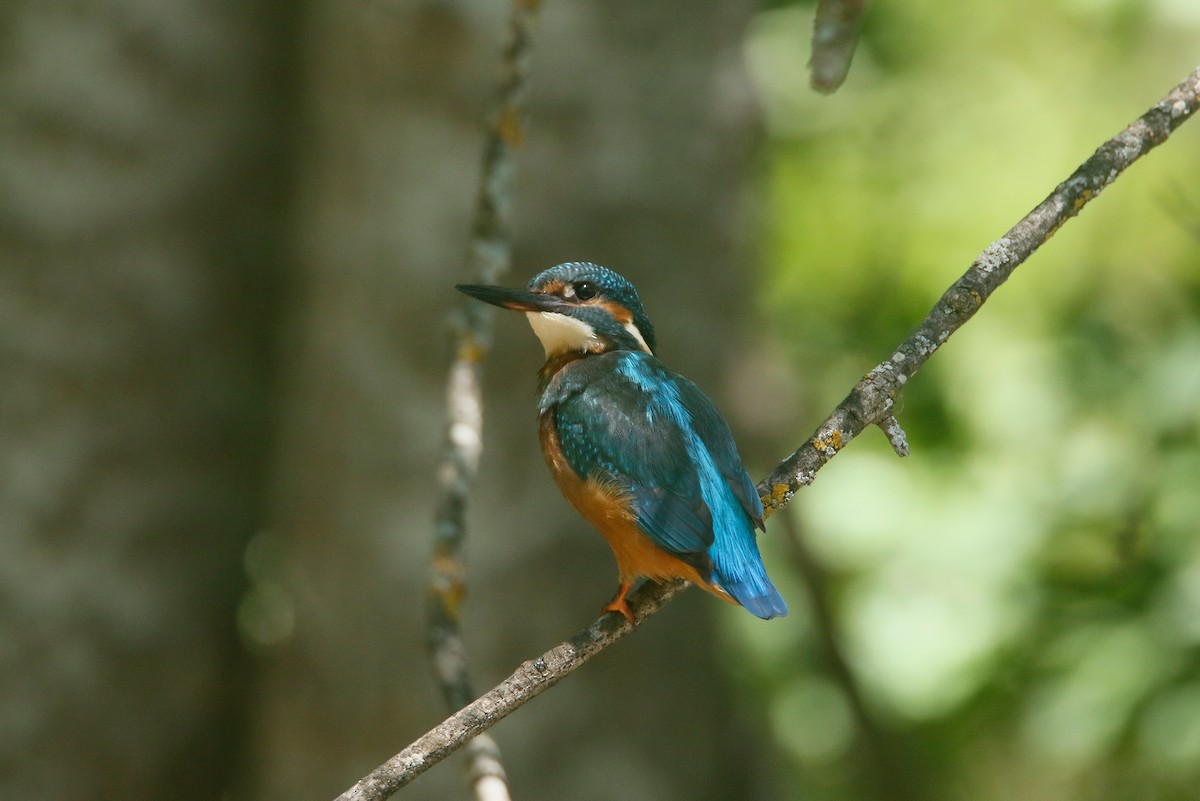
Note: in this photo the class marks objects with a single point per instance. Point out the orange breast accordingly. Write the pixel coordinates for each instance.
(606, 509)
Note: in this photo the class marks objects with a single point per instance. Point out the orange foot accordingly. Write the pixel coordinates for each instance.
(618, 604)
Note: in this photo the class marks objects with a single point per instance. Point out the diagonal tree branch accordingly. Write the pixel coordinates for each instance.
(869, 403)
(872, 399)
(488, 257)
(528, 681)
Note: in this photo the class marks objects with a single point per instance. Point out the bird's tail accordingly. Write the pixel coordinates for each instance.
(741, 574)
(761, 601)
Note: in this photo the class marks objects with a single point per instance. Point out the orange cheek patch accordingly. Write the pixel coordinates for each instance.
(621, 314)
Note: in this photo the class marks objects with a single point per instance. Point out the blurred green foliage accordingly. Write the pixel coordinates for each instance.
(1019, 600)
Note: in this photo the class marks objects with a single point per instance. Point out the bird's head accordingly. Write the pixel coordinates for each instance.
(576, 307)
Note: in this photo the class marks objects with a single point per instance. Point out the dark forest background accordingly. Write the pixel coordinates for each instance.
(228, 237)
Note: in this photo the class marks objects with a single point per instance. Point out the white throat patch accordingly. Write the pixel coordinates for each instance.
(560, 333)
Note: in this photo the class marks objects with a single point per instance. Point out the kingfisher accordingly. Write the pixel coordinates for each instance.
(638, 450)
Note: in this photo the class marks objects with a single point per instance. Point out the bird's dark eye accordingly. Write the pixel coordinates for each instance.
(586, 290)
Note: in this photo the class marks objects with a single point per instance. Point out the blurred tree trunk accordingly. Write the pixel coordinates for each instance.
(135, 256)
(144, 216)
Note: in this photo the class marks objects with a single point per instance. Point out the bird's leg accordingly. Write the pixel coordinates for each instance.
(618, 604)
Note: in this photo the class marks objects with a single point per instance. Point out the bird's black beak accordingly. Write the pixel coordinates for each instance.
(521, 300)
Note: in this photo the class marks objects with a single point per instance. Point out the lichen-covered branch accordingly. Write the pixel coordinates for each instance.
(872, 399)
(531, 679)
(488, 257)
(870, 403)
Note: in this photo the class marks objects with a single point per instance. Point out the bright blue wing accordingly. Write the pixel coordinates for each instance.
(718, 439)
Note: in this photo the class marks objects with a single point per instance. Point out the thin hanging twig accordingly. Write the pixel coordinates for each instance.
(488, 257)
